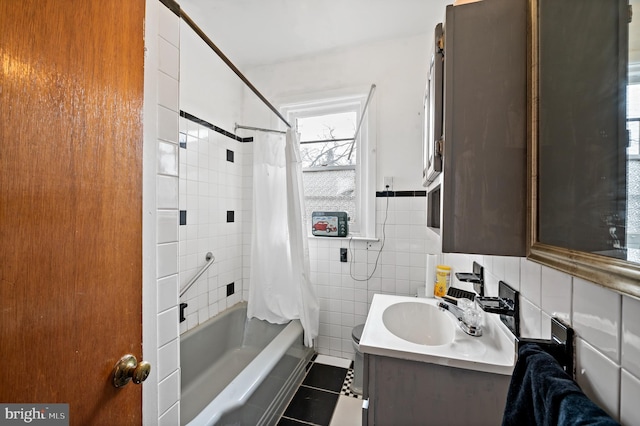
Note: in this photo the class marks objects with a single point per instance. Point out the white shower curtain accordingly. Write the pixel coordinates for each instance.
(280, 288)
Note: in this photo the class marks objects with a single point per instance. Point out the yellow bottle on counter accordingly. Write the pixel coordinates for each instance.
(443, 278)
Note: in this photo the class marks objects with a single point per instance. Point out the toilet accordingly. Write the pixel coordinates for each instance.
(356, 335)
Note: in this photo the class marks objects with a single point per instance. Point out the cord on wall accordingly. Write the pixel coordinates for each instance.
(384, 237)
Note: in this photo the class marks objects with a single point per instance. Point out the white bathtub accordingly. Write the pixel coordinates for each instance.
(239, 371)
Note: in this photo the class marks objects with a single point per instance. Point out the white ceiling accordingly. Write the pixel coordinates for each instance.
(257, 32)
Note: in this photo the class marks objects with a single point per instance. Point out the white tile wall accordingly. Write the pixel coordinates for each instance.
(530, 281)
(606, 325)
(598, 376)
(166, 372)
(343, 289)
(169, 358)
(169, 392)
(629, 395)
(167, 192)
(631, 335)
(531, 319)
(168, 159)
(596, 316)
(171, 417)
(556, 293)
(209, 187)
(167, 259)
(166, 226)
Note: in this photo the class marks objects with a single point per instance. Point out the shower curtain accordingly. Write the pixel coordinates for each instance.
(280, 286)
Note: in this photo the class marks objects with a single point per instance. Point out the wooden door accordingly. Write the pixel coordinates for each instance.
(71, 90)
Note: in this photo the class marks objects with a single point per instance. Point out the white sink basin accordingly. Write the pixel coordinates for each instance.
(415, 329)
(419, 323)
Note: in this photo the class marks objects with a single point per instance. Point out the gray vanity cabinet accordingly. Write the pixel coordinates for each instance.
(484, 188)
(404, 392)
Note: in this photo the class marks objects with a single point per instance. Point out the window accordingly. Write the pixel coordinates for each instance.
(633, 165)
(337, 170)
(633, 119)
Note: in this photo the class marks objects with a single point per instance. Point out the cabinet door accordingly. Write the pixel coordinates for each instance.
(433, 109)
(404, 392)
(485, 155)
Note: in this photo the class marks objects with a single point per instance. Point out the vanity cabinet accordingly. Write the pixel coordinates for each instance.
(484, 180)
(404, 392)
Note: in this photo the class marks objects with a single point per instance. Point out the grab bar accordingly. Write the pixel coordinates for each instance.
(210, 259)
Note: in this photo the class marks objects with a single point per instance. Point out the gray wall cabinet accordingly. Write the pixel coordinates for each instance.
(484, 188)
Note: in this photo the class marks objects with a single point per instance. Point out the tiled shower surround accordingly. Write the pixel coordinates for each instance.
(214, 185)
(211, 186)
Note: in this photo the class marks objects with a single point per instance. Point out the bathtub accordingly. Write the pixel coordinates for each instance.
(239, 371)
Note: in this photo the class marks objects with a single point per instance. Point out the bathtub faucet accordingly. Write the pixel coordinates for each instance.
(467, 313)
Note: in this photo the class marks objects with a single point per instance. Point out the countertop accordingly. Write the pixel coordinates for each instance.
(493, 352)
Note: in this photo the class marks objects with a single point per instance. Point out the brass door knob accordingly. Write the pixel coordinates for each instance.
(128, 368)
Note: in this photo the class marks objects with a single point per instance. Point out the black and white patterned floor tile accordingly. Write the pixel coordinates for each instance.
(346, 386)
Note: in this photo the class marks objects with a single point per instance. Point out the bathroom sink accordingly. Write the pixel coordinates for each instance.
(414, 328)
(419, 323)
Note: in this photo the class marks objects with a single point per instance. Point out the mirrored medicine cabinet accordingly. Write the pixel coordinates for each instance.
(584, 130)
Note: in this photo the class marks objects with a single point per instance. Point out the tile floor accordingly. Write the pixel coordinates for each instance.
(324, 397)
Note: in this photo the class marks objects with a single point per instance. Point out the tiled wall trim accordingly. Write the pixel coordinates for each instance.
(213, 127)
(166, 398)
(385, 194)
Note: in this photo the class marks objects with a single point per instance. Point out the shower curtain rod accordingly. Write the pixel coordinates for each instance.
(364, 111)
(262, 129)
(258, 129)
(230, 64)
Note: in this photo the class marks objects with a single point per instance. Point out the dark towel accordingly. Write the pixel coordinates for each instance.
(542, 393)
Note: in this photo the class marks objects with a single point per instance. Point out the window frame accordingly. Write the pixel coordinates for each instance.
(326, 103)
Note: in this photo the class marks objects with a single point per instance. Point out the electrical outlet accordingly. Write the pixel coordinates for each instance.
(343, 255)
(388, 183)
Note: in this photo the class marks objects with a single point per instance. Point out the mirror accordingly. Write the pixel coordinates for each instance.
(585, 132)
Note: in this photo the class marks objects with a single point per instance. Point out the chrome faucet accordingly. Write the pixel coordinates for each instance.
(468, 315)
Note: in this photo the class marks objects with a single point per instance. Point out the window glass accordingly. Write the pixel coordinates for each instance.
(633, 118)
(328, 126)
(327, 140)
(331, 190)
(633, 173)
(329, 159)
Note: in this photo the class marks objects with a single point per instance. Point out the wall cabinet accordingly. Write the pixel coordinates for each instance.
(403, 392)
(484, 180)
